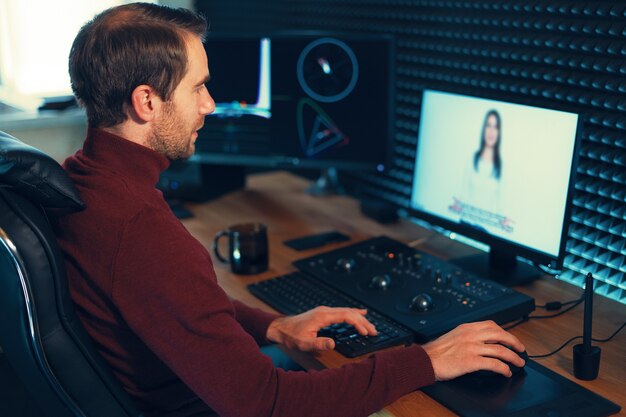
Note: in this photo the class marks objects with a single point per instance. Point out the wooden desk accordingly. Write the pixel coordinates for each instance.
(278, 200)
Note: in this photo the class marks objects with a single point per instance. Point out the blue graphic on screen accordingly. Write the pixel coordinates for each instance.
(502, 168)
(322, 134)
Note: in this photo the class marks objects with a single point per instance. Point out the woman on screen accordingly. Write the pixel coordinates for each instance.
(487, 162)
(479, 204)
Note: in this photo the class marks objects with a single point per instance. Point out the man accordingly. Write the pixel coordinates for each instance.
(146, 290)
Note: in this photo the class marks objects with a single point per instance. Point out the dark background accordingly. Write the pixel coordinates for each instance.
(564, 54)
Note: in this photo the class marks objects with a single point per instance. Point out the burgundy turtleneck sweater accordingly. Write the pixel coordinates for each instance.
(146, 291)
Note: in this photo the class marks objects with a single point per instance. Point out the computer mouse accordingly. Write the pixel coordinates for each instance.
(346, 264)
(380, 282)
(514, 368)
(421, 303)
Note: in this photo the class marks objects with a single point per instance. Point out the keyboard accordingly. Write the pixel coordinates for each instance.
(296, 293)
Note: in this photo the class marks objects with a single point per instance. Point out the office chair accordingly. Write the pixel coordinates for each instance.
(40, 334)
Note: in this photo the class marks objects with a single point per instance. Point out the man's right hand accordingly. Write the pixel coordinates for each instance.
(472, 347)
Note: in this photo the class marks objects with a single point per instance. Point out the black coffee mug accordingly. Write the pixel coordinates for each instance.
(247, 248)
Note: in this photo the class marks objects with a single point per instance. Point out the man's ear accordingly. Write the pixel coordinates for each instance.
(146, 102)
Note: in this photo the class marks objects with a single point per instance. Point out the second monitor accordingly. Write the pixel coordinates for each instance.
(299, 100)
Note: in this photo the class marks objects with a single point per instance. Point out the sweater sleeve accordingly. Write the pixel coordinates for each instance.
(165, 288)
(254, 321)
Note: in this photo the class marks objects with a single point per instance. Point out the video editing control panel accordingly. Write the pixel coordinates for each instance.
(428, 295)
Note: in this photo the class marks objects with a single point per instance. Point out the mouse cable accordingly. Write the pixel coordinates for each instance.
(553, 305)
(557, 305)
(575, 304)
(575, 338)
(549, 316)
(517, 323)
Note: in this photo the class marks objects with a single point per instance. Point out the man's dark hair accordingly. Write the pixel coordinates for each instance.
(127, 46)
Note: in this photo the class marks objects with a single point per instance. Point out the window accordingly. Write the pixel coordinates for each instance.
(35, 40)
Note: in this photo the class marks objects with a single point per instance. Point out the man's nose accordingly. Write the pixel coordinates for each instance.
(208, 105)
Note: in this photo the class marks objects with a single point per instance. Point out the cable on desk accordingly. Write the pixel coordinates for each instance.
(611, 336)
(560, 313)
(557, 305)
(553, 305)
(575, 338)
(517, 323)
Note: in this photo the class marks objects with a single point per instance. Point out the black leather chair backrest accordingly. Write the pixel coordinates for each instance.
(39, 332)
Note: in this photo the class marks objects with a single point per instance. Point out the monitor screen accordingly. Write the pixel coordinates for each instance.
(302, 100)
(240, 83)
(497, 172)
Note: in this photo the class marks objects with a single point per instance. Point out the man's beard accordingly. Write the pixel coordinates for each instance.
(169, 136)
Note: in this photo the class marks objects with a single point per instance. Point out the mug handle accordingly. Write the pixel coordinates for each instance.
(215, 246)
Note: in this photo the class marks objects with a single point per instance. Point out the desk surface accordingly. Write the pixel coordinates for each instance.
(278, 200)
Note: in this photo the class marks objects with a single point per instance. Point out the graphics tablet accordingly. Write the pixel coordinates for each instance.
(535, 391)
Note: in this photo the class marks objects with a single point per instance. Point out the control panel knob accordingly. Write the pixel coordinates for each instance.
(421, 303)
(346, 264)
(380, 282)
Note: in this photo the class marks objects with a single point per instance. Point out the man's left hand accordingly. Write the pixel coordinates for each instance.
(300, 332)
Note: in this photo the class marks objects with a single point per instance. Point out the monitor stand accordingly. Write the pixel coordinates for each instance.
(327, 183)
(500, 266)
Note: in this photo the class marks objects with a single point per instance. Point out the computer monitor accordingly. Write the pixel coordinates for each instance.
(500, 173)
(299, 100)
